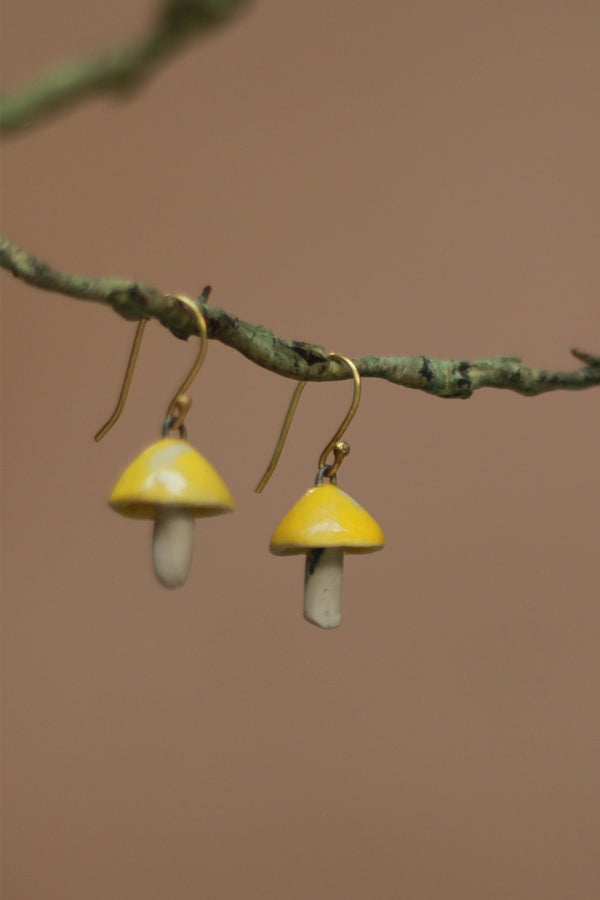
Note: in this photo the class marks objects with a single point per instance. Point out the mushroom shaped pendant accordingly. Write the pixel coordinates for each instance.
(173, 484)
(325, 523)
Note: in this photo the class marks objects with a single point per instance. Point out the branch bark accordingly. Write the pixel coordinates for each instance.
(119, 70)
(298, 359)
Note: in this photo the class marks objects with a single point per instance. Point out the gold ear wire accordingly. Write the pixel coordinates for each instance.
(340, 448)
(135, 349)
(333, 443)
(180, 403)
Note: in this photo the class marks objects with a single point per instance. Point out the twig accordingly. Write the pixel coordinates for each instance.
(297, 359)
(119, 70)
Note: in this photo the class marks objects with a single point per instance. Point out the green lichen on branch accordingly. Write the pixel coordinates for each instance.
(300, 360)
(118, 70)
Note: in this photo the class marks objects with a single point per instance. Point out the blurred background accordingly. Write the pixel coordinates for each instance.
(379, 179)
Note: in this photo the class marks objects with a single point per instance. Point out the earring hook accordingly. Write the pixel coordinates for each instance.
(340, 448)
(180, 403)
(135, 349)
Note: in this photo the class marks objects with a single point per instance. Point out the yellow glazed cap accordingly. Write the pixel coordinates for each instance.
(326, 517)
(170, 472)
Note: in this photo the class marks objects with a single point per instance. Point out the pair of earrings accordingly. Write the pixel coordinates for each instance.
(173, 484)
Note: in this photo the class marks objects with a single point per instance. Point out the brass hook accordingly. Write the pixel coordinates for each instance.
(180, 403)
(139, 333)
(340, 448)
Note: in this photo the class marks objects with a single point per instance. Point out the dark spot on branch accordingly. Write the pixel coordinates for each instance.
(220, 324)
(39, 269)
(464, 381)
(130, 301)
(137, 294)
(425, 369)
(308, 352)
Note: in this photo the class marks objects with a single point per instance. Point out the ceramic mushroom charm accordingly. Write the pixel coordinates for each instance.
(173, 484)
(170, 481)
(325, 523)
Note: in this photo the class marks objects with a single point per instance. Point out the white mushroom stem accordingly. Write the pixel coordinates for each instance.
(172, 544)
(323, 586)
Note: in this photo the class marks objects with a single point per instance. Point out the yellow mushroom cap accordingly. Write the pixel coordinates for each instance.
(326, 517)
(172, 473)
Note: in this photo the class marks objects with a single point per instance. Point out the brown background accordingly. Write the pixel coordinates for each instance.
(378, 178)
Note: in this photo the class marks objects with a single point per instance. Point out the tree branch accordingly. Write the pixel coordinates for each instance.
(297, 359)
(119, 70)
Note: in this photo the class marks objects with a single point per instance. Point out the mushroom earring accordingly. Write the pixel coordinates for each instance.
(169, 481)
(325, 522)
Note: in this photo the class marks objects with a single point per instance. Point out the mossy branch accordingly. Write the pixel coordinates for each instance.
(297, 359)
(119, 70)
